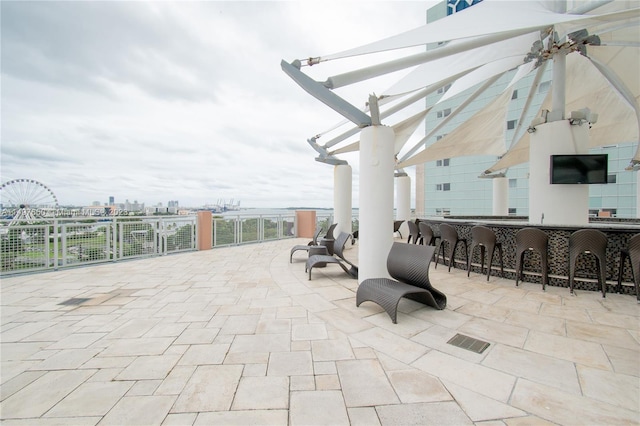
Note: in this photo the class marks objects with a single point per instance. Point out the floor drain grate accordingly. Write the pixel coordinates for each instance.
(468, 343)
(75, 301)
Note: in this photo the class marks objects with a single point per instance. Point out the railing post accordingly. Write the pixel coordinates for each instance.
(56, 253)
(204, 224)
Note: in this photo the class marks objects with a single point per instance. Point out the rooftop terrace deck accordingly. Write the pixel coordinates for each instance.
(238, 335)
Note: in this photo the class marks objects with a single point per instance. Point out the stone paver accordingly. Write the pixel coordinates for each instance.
(206, 338)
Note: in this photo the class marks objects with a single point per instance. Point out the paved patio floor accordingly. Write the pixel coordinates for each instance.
(239, 335)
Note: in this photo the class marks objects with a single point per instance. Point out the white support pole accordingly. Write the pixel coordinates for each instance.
(549, 203)
(403, 201)
(342, 207)
(376, 201)
(500, 196)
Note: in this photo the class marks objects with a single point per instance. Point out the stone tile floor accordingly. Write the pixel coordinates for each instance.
(239, 335)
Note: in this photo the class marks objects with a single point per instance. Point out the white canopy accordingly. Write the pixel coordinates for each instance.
(587, 87)
(482, 134)
(487, 17)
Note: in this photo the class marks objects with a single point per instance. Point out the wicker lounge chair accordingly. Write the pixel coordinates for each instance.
(338, 257)
(409, 265)
(314, 242)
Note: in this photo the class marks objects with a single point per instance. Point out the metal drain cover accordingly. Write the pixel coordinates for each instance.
(75, 301)
(468, 343)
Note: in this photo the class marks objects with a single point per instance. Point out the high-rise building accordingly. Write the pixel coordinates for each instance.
(112, 200)
(452, 186)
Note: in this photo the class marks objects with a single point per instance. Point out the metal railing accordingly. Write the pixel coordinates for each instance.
(51, 244)
(244, 229)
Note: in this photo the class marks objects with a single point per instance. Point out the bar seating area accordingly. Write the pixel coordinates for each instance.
(596, 264)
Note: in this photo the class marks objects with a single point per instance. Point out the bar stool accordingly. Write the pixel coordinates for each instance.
(414, 232)
(589, 241)
(449, 235)
(485, 238)
(426, 234)
(632, 252)
(530, 239)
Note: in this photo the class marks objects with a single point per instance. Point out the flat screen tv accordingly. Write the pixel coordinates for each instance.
(579, 169)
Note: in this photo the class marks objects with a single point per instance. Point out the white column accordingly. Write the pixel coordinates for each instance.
(376, 201)
(556, 204)
(500, 196)
(342, 207)
(403, 202)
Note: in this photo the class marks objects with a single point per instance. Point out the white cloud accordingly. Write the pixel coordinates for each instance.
(159, 101)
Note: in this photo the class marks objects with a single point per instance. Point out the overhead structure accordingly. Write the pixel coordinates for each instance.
(475, 46)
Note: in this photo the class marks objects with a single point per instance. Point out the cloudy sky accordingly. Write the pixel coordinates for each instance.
(158, 101)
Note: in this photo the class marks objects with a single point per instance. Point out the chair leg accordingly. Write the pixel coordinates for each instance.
(623, 258)
(440, 249)
(572, 264)
(519, 264)
(490, 262)
(501, 260)
(545, 271)
(452, 253)
(602, 274)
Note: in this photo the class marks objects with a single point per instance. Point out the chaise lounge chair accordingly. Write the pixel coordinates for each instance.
(409, 265)
(338, 258)
(314, 242)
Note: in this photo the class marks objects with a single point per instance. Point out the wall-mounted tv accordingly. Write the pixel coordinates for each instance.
(579, 169)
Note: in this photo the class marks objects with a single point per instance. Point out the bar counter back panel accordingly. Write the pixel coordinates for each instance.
(618, 235)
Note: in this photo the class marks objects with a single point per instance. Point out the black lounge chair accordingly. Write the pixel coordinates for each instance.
(409, 265)
(314, 242)
(325, 259)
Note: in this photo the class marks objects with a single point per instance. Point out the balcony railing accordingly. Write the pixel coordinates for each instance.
(60, 243)
(53, 244)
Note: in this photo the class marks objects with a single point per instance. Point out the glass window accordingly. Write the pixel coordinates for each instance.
(611, 178)
(511, 124)
(445, 162)
(439, 187)
(513, 183)
(544, 87)
(512, 211)
(438, 163)
(446, 187)
(514, 95)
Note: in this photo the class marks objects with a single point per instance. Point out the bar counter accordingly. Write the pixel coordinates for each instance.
(618, 234)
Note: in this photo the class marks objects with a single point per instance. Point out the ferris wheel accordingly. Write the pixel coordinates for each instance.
(26, 200)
